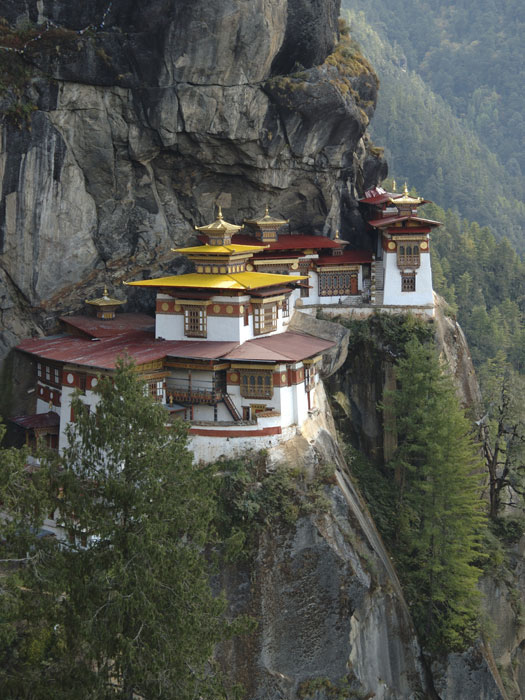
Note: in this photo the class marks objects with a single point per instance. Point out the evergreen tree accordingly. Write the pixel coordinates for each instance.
(439, 516)
(124, 608)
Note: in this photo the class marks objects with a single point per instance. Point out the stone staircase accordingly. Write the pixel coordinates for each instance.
(378, 282)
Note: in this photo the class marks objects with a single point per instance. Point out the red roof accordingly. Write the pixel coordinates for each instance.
(39, 420)
(377, 195)
(101, 328)
(348, 256)
(282, 347)
(289, 241)
(103, 353)
(389, 220)
(142, 347)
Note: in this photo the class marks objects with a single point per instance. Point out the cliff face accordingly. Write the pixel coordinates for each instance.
(146, 117)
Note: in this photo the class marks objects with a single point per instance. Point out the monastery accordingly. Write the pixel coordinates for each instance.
(219, 353)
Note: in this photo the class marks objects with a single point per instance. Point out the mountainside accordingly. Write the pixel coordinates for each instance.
(123, 127)
(448, 76)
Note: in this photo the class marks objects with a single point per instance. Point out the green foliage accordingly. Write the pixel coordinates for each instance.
(124, 608)
(252, 499)
(438, 519)
(386, 334)
(422, 107)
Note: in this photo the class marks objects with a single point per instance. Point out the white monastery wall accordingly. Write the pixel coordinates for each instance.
(89, 398)
(393, 296)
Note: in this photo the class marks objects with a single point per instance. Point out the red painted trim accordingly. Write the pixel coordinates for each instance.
(276, 430)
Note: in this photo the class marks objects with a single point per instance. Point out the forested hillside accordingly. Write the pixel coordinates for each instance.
(450, 113)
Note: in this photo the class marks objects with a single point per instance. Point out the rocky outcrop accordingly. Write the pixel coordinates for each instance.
(332, 620)
(147, 116)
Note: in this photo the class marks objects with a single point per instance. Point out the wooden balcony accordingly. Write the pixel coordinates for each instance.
(408, 261)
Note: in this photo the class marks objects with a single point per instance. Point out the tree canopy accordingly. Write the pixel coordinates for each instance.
(438, 513)
(123, 607)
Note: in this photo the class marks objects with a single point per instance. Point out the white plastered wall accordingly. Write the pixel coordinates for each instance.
(393, 296)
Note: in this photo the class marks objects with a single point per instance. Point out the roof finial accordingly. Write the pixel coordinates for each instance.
(394, 185)
(219, 216)
(337, 234)
(405, 191)
(105, 294)
(266, 211)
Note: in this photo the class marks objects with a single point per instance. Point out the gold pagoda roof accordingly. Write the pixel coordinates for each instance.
(266, 220)
(406, 199)
(239, 280)
(219, 226)
(105, 300)
(230, 249)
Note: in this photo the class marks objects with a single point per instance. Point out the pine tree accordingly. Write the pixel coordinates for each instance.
(123, 609)
(439, 517)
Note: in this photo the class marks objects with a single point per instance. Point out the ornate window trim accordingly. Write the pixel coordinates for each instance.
(256, 384)
(336, 283)
(408, 255)
(195, 321)
(264, 318)
(408, 281)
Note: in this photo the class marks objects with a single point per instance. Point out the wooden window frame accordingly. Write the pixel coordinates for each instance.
(408, 255)
(256, 383)
(336, 283)
(195, 322)
(265, 318)
(408, 282)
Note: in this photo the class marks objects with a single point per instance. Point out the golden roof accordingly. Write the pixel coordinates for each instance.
(266, 220)
(239, 280)
(219, 226)
(230, 249)
(406, 199)
(105, 300)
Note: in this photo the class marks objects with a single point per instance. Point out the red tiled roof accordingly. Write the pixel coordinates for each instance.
(289, 241)
(389, 220)
(103, 353)
(142, 347)
(282, 347)
(348, 256)
(101, 328)
(377, 195)
(39, 420)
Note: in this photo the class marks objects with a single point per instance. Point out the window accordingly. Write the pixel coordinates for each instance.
(156, 390)
(336, 283)
(408, 255)
(264, 318)
(247, 315)
(56, 375)
(195, 321)
(48, 373)
(257, 384)
(305, 289)
(408, 283)
(286, 307)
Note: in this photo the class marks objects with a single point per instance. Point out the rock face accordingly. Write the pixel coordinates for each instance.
(147, 116)
(332, 620)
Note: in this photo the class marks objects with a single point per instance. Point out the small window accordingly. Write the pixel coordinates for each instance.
(56, 375)
(408, 283)
(286, 307)
(264, 318)
(48, 373)
(195, 321)
(246, 315)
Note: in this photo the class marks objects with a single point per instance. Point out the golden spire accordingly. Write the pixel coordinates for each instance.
(219, 215)
(394, 185)
(337, 234)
